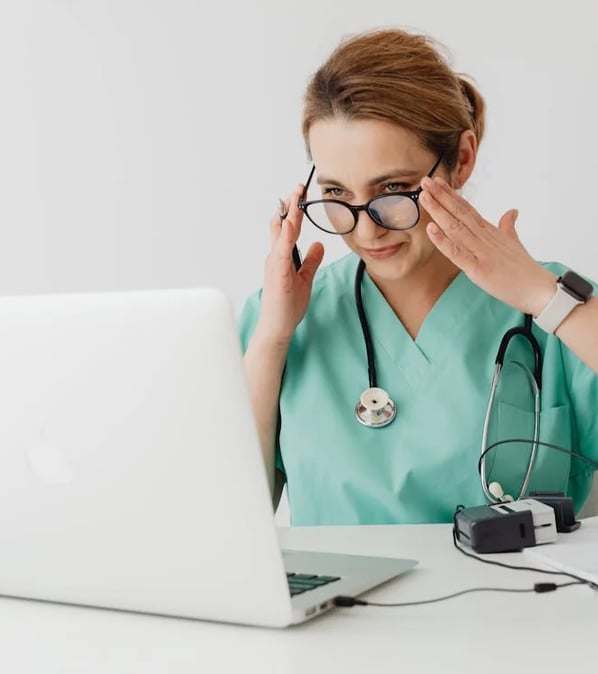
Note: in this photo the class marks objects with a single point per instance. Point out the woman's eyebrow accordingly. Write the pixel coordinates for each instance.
(396, 173)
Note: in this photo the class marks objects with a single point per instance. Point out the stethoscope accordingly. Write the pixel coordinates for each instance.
(375, 409)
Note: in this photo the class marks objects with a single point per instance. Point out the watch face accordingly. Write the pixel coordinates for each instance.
(577, 286)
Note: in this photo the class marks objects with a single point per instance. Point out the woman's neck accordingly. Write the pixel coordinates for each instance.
(412, 298)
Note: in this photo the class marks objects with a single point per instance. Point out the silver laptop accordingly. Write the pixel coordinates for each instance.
(130, 472)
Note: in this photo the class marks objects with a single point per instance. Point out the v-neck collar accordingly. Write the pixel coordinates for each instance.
(438, 334)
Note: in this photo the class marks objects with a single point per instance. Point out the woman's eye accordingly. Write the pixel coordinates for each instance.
(332, 192)
(396, 187)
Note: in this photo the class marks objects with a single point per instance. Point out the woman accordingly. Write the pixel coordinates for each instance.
(385, 115)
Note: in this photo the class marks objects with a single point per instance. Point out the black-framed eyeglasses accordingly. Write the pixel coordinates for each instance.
(399, 210)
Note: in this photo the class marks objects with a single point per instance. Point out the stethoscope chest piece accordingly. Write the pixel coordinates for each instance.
(375, 408)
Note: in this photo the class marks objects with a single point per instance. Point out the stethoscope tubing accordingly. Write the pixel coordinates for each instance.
(534, 378)
(365, 328)
(485, 430)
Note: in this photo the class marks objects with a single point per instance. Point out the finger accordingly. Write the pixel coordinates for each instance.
(295, 214)
(312, 261)
(507, 224)
(283, 208)
(283, 248)
(288, 211)
(455, 204)
(274, 230)
(462, 257)
(451, 226)
(276, 220)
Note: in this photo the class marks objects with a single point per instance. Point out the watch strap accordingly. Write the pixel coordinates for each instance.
(559, 307)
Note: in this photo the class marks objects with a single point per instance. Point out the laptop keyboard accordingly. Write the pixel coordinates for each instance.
(303, 582)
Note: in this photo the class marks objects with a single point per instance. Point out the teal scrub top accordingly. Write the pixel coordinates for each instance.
(424, 464)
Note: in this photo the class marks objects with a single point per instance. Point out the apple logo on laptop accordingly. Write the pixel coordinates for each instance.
(47, 462)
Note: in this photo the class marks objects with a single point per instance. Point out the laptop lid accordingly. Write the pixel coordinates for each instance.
(130, 470)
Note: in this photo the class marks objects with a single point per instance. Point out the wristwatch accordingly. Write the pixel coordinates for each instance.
(571, 291)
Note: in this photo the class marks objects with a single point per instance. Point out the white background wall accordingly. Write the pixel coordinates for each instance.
(143, 143)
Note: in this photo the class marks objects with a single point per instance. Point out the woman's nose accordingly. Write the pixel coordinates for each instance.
(366, 228)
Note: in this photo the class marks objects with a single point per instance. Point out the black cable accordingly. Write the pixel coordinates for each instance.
(592, 463)
(345, 601)
(490, 447)
(503, 564)
(348, 602)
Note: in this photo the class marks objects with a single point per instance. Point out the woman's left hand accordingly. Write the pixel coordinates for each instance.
(492, 257)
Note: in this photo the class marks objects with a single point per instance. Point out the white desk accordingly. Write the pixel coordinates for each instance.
(484, 632)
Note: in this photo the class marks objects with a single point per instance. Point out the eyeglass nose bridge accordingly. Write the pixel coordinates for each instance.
(367, 207)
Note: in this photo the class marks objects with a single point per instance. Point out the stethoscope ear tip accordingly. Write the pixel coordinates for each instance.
(496, 490)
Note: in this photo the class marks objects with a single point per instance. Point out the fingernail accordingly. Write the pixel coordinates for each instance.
(282, 208)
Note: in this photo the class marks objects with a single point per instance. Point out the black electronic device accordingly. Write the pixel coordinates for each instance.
(563, 509)
(506, 527)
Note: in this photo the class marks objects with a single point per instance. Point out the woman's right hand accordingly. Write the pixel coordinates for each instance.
(286, 291)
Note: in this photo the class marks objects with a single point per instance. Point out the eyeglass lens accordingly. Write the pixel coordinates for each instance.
(392, 211)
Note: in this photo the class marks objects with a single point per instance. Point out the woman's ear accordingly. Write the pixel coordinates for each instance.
(466, 157)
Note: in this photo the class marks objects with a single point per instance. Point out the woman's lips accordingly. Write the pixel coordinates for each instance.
(381, 253)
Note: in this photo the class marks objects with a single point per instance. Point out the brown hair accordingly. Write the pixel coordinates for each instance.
(398, 77)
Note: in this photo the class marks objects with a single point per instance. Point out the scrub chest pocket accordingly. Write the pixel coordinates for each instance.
(509, 462)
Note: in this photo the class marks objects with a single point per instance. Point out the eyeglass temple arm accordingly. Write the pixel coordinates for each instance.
(436, 165)
(309, 177)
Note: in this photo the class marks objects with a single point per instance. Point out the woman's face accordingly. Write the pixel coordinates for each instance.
(359, 159)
